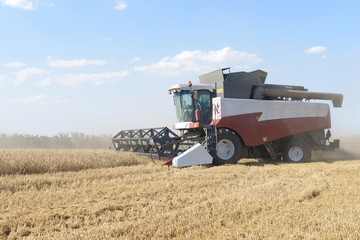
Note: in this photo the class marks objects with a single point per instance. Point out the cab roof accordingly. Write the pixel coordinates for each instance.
(186, 87)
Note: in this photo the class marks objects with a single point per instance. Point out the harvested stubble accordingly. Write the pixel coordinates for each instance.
(252, 200)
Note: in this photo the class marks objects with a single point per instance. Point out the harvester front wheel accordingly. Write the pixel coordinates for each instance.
(228, 148)
(297, 151)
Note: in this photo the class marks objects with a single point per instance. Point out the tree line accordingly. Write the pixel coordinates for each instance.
(60, 141)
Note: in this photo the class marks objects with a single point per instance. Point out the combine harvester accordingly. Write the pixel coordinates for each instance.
(229, 116)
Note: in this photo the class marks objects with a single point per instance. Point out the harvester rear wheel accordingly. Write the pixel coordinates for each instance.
(297, 151)
(228, 148)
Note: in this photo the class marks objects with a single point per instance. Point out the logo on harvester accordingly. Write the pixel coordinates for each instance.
(216, 108)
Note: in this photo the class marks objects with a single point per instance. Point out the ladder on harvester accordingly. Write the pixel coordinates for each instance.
(211, 137)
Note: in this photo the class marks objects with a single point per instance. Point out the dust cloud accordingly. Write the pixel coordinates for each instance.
(349, 150)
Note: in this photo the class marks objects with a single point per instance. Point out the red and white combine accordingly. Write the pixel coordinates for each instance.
(236, 115)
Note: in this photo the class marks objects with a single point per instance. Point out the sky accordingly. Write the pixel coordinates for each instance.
(101, 66)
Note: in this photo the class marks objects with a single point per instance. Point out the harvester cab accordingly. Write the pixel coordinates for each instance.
(192, 105)
(236, 115)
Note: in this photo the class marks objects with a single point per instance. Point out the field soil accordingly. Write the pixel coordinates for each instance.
(79, 194)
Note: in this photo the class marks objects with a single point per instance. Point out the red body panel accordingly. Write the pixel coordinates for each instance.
(254, 132)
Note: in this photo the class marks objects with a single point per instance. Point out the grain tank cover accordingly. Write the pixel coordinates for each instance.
(261, 75)
(233, 85)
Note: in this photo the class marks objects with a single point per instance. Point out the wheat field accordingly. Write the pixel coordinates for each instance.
(88, 194)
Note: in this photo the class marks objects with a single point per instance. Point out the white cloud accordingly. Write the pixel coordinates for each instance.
(105, 40)
(13, 64)
(135, 59)
(42, 99)
(198, 62)
(74, 63)
(316, 50)
(22, 4)
(78, 79)
(45, 82)
(51, 5)
(3, 78)
(23, 75)
(120, 5)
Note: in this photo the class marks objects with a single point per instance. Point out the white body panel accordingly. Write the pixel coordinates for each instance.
(183, 125)
(196, 155)
(225, 107)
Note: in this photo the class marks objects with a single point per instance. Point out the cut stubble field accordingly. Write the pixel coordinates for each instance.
(88, 194)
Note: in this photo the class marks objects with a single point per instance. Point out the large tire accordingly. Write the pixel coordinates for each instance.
(296, 151)
(228, 148)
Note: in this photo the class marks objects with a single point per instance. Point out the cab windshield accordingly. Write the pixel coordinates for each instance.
(185, 105)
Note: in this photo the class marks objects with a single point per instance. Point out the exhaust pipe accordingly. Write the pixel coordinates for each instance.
(262, 92)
